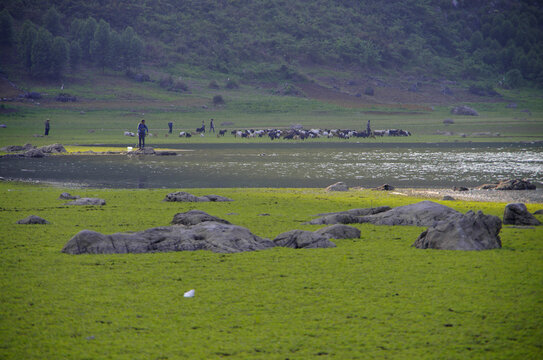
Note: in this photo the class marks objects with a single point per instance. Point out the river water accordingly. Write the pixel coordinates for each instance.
(291, 165)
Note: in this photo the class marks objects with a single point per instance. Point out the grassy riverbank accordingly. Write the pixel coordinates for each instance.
(374, 297)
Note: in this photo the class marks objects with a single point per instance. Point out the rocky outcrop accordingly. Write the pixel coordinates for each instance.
(301, 239)
(339, 231)
(53, 149)
(34, 153)
(464, 110)
(33, 219)
(517, 214)
(181, 196)
(210, 235)
(68, 196)
(347, 217)
(339, 186)
(193, 217)
(384, 187)
(424, 213)
(87, 201)
(17, 148)
(515, 184)
(472, 231)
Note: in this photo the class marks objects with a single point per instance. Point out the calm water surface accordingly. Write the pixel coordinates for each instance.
(292, 165)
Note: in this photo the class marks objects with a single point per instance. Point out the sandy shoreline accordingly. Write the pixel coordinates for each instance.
(507, 196)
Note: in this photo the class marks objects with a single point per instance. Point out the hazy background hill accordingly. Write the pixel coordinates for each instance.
(495, 42)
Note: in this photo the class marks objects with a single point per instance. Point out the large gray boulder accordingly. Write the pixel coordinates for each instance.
(347, 217)
(464, 110)
(32, 219)
(518, 214)
(87, 201)
(68, 196)
(300, 239)
(472, 231)
(182, 196)
(212, 236)
(339, 186)
(339, 231)
(193, 217)
(424, 213)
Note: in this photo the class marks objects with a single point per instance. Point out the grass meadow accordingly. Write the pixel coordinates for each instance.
(109, 105)
(373, 297)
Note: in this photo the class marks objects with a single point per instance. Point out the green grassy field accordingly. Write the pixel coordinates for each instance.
(373, 297)
(110, 104)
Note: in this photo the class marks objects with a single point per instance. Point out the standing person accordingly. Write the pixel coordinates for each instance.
(368, 129)
(203, 127)
(211, 126)
(143, 130)
(47, 127)
(170, 125)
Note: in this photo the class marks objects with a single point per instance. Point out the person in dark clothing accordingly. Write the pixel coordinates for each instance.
(211, 126)
(143, 130)
(203, 127)
(47, 127)
(368, 129)
(170, 125)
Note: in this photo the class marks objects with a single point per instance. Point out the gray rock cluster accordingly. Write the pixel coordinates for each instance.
(181, 196)
(514, 184)
(30, 151)
(197, 230)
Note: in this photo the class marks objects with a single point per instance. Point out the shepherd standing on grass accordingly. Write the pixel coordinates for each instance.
(143, 130)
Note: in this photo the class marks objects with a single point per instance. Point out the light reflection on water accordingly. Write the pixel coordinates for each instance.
(290, 166)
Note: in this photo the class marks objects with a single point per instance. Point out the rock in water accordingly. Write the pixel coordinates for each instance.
(472, 231)
(299, 239)
(517, 214)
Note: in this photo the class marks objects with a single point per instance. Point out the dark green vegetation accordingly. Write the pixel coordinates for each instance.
(374, 297)
(498, 41)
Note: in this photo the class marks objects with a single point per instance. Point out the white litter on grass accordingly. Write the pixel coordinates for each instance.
(189, 293)
(129, 148)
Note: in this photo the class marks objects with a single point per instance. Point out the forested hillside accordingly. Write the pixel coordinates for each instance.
(498, 41)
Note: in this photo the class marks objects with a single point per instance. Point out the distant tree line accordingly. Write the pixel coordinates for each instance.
(47, 51)
(469, 39)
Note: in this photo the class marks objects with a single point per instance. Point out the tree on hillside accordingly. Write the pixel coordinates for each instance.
(51, 21)
(100, 46)
(41, 59)
(75, 54)
(86, 36)
(27, 36)
(6, 27)
(59, 56)
(132, 48)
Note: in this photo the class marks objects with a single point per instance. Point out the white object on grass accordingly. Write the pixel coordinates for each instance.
(189, 293)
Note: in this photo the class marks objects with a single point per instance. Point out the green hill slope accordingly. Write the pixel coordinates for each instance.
(471, 40)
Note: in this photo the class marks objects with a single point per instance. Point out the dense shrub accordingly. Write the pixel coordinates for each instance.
(218, 100)
(213, 85)
(231, 84)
